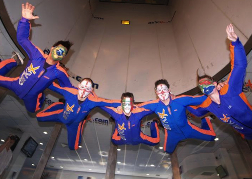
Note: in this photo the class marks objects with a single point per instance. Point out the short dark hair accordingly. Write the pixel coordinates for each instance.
(127, 94)
(66, 44)
(162, 81)
(88, 79)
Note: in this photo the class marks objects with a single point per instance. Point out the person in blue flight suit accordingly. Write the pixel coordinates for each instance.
(229, 104)
(172, 114)
(128, 123)
(40, 71)
(78, 103)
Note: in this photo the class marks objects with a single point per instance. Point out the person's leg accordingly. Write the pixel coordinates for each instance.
(7, 65)
(154, 139)
(82, 129)
(34, 103)
(51, 113)
(74, 133)
(195, 132)
(9, 83)
(171, 140)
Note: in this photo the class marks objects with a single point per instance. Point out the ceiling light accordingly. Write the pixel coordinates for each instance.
(2, 140)
(52, 157)
(147, 174)
(33, 164)
(118, 149)
(125, 22)
(216, 139)
(152, 165)
(118, 162)
(41, 143)
(160, 147)
(45, 132)
(80, 146)
(90, 169)
(85, 159)
(61, 167)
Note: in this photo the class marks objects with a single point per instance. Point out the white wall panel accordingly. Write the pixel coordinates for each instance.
(144, 62)
(171, 64)
(199, 28)
(110, 69)
(239, 12)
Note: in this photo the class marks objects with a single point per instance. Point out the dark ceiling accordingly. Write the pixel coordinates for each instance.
(152, 2)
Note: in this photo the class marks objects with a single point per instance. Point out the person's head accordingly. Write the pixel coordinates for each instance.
(60, 49)
(127, 102)
(207, 84)
(11, 140)
(85, 87)
(162, 89)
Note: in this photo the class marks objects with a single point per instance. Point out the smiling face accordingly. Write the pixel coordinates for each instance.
(127, 105)
(84, 89)
(162, 92)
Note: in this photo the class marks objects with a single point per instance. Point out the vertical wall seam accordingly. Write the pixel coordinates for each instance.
(127, 73)
(98, 51)
(229, 19)
(88, 24)
(159, 52)
(194, 47)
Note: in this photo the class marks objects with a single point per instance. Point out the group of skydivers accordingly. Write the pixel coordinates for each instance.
(228, 103)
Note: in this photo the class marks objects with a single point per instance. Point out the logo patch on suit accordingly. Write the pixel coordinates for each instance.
(68, 110)
(27, 72)
(121, 129)
(162, 115)
(225, 118)
(164, 121)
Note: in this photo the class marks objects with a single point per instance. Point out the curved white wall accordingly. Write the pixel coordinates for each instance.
(131, 58)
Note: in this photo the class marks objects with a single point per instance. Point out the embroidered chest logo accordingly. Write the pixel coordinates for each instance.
(121, 129)
(162, 116)
(68, 110)
(27, 72)
(225, 118)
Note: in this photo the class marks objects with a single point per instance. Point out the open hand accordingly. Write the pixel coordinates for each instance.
(230, 33)
(27, 11)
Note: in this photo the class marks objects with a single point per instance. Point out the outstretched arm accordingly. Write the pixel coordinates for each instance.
(191, 100)
(197, 110)
(64, 91)
(150, 105)
(98, 102)
(141, 112)
(238, 61)
(23, 31)
(113, 112)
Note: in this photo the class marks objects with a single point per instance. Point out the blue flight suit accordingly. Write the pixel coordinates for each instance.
(177, 127)
(234, 107)
(128, 131)
(29, 86)
(73, 112)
